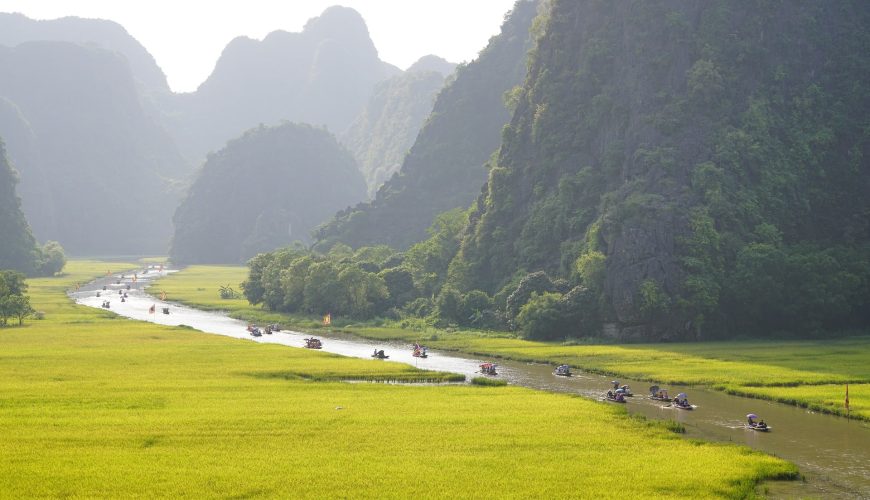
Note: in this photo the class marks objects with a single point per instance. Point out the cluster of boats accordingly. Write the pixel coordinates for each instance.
(256, 331)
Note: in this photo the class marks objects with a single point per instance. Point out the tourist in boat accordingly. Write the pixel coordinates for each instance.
(762, 425)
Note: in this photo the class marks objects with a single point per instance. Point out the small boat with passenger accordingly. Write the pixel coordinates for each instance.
(488, 369)
(759, 426)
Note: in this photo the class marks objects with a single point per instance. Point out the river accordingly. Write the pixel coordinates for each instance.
(833, 453)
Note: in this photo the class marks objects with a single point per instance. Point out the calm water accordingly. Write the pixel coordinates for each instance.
(832, 452)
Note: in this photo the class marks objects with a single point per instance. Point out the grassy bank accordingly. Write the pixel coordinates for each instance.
(96, 406)
(812, 374)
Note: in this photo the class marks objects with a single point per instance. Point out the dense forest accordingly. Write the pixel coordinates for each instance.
(696, 168)
(264, 190)
(445, 167)
(672, 170)
(18, 248)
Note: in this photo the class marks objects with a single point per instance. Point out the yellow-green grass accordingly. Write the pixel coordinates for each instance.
(733, 366)
(822, 398)
(95, 406)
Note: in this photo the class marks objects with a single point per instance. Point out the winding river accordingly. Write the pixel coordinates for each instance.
(832, 452)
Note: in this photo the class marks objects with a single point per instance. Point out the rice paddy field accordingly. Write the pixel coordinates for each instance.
(812, 374)
(92, 405)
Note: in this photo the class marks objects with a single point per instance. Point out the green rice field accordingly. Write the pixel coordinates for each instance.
(805, 373)
(92, 405)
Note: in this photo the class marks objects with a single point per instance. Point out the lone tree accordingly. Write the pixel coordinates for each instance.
(13, 302)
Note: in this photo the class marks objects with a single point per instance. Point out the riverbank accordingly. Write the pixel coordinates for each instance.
(809, 374)
(94, 405)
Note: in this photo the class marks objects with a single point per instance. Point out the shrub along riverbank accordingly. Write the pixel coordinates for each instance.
(93, 405)
(811, 374)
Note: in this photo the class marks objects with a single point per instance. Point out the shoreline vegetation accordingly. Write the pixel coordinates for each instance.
(95, 405)
(807, 373)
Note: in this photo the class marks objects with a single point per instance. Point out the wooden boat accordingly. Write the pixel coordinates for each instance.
(683, 407)
(758, 428)
(656, 393)
(313, 343)
(613, 399)
(380, 355)
(488, 369)
(563, 371)
(420, 353)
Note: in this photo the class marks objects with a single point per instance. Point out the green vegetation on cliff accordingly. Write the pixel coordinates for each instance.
(381, 135)
(694, 169)
(18, 248)
(445, 167)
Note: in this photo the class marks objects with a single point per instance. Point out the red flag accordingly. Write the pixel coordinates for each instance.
(847, 397)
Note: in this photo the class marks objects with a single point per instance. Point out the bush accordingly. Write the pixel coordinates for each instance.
(543, 317)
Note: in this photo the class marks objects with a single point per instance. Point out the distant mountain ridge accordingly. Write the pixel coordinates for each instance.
(322, 75)
(109, 35)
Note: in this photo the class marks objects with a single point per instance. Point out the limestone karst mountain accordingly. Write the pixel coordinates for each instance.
(264, 190)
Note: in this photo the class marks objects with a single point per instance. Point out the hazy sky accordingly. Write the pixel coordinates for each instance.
(187, 36)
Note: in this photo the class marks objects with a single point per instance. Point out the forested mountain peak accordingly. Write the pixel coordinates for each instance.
(343, 25)
(264, 190)
(322, 75)
(433, 63)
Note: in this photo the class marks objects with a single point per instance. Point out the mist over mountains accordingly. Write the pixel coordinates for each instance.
(105, 151)
(322, 76)
(95, 169)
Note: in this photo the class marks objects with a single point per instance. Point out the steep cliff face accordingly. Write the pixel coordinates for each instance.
(264, 190)
(445, 167)
(322, 75)
(657, 144)
(381, 135)
(18, 249)
(94, 167)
